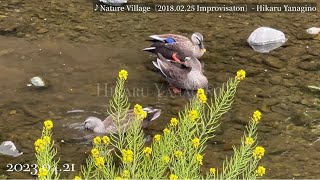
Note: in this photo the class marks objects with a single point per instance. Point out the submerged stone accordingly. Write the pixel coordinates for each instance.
(265, 39)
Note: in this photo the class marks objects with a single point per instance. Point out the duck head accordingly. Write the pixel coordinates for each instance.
(197, 38)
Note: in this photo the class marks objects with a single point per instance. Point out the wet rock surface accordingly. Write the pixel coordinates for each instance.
(81, 53)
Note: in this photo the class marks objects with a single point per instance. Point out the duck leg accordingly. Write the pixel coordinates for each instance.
(175, 89)
(174, 57)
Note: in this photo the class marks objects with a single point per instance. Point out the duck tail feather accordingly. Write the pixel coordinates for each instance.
(150, 49)
(152, 113)
(156, 37)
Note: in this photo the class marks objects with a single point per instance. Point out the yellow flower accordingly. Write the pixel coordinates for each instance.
(241, 74)
(123, 74)
(97, 140)
(178, 153)
(261, 171)
(46, 139)
(157, 137)
(39, 145)
(200, 91)
(118, 178)
(95, 152)
(212, 170)
(196, 142)
(166, 159)
(77, 178)
(199, 158)
(249, 141)
(139, 112)
(106, 140)
(256, 116)
(258, 152)
(201, 95)
(173, 177)
(174, 122)
(126, 174)
(127, 156)
(147, 151)
(99, 162)
(43, 172)
(166, 131)
(48, 124)
(194, 114)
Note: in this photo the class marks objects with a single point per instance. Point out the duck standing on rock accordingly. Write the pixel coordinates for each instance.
(176, 47)
(189, 77)
(107, 126)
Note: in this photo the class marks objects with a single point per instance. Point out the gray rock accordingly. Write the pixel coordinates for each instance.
(8, 148)
(274, 62)
(265, 39)
(276, 80)
(309, 65)
(38, 82)
(42, 31)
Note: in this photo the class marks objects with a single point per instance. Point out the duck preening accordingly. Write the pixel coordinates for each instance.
(107, 126)
(176, 47)
(189, 77)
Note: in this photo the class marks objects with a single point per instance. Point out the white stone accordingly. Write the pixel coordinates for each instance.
(313, 30)
(38, 82)
(265, 39)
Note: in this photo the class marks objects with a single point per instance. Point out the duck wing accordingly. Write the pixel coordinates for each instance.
(174, 74)
(163, 37)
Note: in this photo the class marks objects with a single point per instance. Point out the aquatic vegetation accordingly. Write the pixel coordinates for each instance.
(177, 153)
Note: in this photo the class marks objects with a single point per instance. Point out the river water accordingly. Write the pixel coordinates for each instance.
(79, 54)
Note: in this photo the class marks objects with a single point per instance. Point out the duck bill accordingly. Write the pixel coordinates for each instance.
(202, 48)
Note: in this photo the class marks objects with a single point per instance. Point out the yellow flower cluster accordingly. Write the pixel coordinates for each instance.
(196, 142)
(201, 95)
(174, 122)
(123, 74)
(48, 124)
(126, 174)
(157, 137)
(43, 172)
(127, 156)
(173, 177)
(194, 115)
(166, 131)
(99, 162)
(40, 144)
(258, 152)
(46, 139)
(256, 116)
(166, 159)
(241, 74)
(178, 154)
(139, 112)
(199, 158)
(97, 140)
(117, 178)
(77, 178)
(147, 151)
(95, 152)
(249, 141)
(212, 170)
(105, 140)
(261, 171)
